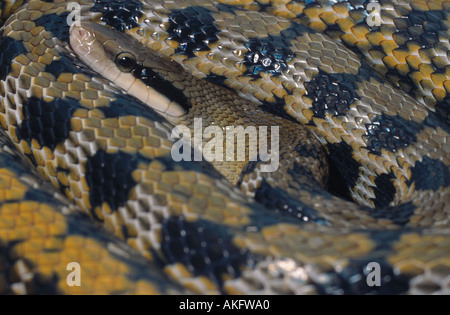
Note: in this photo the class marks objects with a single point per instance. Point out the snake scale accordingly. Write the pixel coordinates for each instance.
(372, 101)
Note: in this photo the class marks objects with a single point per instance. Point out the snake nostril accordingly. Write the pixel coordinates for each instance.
(82, 33)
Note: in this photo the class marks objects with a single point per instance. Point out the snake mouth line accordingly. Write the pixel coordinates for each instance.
(105, 52)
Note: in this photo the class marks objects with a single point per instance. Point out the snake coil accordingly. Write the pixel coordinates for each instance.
(372, 100)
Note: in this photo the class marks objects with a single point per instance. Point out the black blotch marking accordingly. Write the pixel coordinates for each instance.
(264, 6)
(13, 160)
(109, 177)
(7, 261)
(67, 64)
(399, 215)
(341, 158)
(443, 109)
(421, 27)
(272, 54)
(226, 8)
(161, 85)
(47, 122)
(305, 149)
(248, 169)
(352, 280)
(391, 133)
(385, 239)
(203, 253)
(277, 108)
(2, 6)
(120, 14)
(217, 80)
(37, 284)
(336, 183)
(56, 24)
(267, 55)
(304, 177)
(282, 203)
(6, 12)
(365, 72)
(332, 93)
(435, 121)
(429, 174)
(10, 49)
(384, 190)
(405, 83)
(194, 29)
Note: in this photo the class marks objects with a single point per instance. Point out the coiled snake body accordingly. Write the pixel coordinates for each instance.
(185, 226)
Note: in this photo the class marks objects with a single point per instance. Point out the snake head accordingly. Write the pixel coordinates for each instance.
(128, 64)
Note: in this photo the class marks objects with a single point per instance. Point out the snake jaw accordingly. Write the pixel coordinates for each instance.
(90, 41)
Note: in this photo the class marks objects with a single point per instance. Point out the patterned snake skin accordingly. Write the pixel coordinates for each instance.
(316, 69)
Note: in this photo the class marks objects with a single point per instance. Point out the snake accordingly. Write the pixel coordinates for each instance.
(94, 93)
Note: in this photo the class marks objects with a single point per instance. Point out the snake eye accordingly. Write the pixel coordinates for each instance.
(125, 62)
